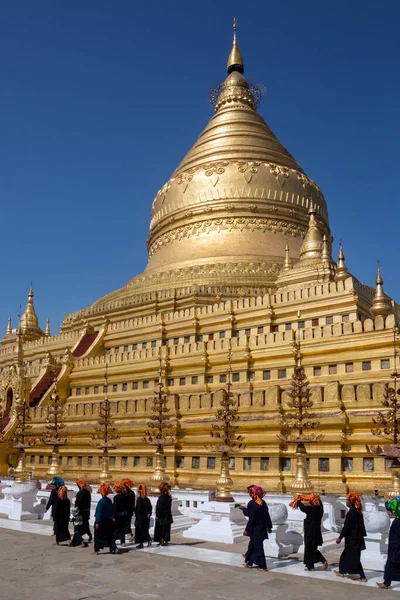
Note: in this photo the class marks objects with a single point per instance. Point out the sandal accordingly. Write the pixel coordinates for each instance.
(247, 566)
(361, 579)
(338, 573)
(382, 586)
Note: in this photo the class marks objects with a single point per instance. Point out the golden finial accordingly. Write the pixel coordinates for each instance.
(9, 328)
(287, 265)
(47, 331)
(341, 269)
(29, 323)
(312, 245)
(326, 257)
(381, 304)
(235, 60)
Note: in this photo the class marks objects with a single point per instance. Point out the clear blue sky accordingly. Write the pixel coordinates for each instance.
(100, 100)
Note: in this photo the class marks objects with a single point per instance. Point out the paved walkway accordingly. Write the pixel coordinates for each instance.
(186, 569)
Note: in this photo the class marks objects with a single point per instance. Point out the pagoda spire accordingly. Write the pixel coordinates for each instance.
(235, 60)
(29, 323)
(9, 327)
(287, 265)
(341, 269)
(381, 304)
(326, 257)
(47, 330)
(312, 245)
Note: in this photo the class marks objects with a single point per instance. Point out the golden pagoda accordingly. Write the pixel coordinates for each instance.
(239, 243)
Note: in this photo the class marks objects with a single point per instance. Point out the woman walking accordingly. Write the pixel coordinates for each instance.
(162, 529)
(83, 502)
(61, 516)
(103, 518)
(130, 506)
(392, 567)
(55, 484)
(257, 528)
(143, 511)
(353, 532)
(120, 512)
(312, 506)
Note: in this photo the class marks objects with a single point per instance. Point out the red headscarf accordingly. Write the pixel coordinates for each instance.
(119, 487)
(355, 501)
(80, 482)
(257, 493)
(164, 487)
(104, 489)
(127, 482)
(62, 492)
(313, 499)
(142, 490)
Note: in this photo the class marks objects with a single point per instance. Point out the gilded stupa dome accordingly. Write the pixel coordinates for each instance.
(230, 208)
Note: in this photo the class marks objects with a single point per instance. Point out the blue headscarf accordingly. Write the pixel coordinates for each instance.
(393, 506)
(57, 481)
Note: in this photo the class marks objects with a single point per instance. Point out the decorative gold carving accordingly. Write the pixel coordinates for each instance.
(215, 168)
(220, 271)
(9, 378)
(281, 173)
(248, 169)
(228, 224)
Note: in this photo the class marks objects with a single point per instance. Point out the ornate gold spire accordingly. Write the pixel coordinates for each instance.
(381, 304)
(312, 245)
(254, 196)
(29, 323)
(9, 328)
(326, 257)
(235, 60)
(287, 265)
(47, 331)
(341, 270)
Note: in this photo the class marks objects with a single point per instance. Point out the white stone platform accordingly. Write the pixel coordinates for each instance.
(220, 557)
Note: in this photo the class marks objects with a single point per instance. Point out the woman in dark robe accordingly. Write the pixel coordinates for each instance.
(162, 529)
(143, 510)
(392, 567)
(312, 506)
(55, 484)
(130, 506)
(257, 528)
(103, 522)
(61, 516)
(353, 532)
(120, 512)
(83, 502)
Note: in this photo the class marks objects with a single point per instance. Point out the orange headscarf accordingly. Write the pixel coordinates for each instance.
(128, 482)
(62, 492)
(355, 501)
(257, 493)
(119, 487)
(313, 499)
(104, 489)
(142, 490)
(80, 482)
(164, 487)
